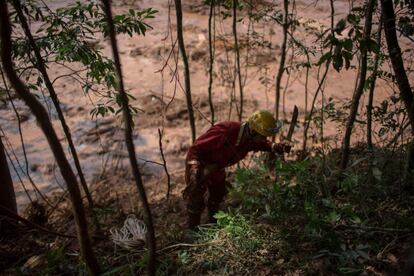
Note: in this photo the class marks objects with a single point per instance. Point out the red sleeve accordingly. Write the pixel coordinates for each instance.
(264, 145)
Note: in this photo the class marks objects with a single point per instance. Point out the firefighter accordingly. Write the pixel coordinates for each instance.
(223, 145)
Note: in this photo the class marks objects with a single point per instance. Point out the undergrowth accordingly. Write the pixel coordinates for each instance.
(302, 219)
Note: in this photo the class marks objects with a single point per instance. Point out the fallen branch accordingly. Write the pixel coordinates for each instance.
(184, 245)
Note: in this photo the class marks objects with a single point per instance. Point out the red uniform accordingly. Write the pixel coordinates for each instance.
(221, 146)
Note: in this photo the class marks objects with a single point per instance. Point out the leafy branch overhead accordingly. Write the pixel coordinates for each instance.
(69, 35)
(347, 39)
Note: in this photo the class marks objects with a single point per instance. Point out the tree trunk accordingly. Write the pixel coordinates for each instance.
(40, 65)
(402, 80)
(7, 196)
(210, 69)
(372, 89)
(130, 143)
(282, 59)
(360, 88)
(237, 50)
(180, 38)
(43, 120)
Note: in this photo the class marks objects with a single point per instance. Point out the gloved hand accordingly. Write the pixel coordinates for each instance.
(195, 174)
(281, 148)
(194, 181)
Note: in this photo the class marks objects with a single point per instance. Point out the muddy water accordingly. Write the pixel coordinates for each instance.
(100, 142)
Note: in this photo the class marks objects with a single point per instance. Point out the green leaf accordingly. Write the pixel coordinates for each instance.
(347, 55)
(333, 217)
(348, 44)
(327, 56)
(352, 19)
(367, 84)
(119, 18)
(338, 62)
(347, 63)
(373, 46)
(340, 26)
(382, 132)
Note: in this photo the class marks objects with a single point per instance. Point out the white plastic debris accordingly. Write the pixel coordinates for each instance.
(130, 236)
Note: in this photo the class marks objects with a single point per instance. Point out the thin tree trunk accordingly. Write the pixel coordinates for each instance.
(237, 50)
(7, 196)
(210, 69)
(322, 122)
(312, 110)
(164, 163)
(282, 58)
(129, 141)
(180, 38)
(308, 118)
(372, 89)
(287, 85)
(360, 88)
(402, 80)
(43, 120)
(40, 65)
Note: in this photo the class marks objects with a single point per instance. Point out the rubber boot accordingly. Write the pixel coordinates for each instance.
(211, 212)
(193, 220)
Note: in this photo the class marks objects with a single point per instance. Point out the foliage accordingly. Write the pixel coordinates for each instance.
(225, 248)
(387, 115)
(240, 230)
(68, 34)
(344, 44)
(293, 223)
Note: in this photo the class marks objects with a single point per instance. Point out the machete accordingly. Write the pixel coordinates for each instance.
(292, 124)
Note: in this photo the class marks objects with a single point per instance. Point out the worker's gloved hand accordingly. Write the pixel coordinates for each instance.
(194, 181)
(286, 147)
(195, 173)
(281, 148)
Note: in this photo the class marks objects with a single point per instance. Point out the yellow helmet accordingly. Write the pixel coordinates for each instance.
(263, 122)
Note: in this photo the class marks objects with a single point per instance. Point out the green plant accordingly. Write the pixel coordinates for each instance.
(343, 45)
(67, 35)
(239, 229)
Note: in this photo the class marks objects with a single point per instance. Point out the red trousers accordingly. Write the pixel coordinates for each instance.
(194, 193)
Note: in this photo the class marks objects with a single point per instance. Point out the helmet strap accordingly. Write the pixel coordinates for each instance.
(250, 131)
